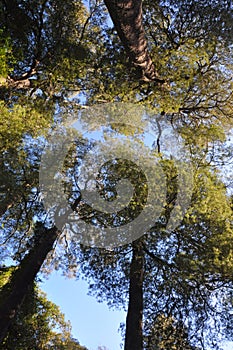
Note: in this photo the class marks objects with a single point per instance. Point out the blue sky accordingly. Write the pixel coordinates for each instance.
(93, 323)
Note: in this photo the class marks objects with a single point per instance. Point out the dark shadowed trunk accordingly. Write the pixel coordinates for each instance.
(134, 334)
(127, 18)
(14, 292)
(134, 331)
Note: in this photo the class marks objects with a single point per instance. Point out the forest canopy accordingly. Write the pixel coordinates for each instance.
(172, 59)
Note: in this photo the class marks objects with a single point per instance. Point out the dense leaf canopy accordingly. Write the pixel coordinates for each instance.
(58, 58)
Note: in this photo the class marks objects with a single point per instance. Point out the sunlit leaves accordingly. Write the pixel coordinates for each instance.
(18, 122)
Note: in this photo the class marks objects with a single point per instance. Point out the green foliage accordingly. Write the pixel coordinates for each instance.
(51, 53)
(39, 324)
(20, 121)
(167, 334)
(5, 56)
(188, 51)
(51, 45)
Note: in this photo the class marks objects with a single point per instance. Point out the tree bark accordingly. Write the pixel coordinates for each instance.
(15, 291)
(127, 19)
(134, 334)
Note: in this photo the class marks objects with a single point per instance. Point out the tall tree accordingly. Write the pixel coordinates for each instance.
(15, 291)
(39, 324)
(42, 55)
(193, 97)
(177, 274)
(127, 19)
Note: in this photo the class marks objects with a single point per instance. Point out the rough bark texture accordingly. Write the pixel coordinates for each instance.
(127, 18)
(134, 336)
(15, 291)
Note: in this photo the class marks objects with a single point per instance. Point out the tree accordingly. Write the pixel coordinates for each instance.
(15, 291)
(41, 62)
(192, 98)
(187, 57)
(176, 273)
(39, 324)
(127, 18)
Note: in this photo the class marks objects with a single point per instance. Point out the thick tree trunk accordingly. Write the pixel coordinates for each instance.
(134, 331)
(134, 334)
(15, 291)
(127, 19)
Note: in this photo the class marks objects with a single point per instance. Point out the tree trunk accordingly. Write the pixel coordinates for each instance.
(134, 334)
(14, 292)
(127, 19)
